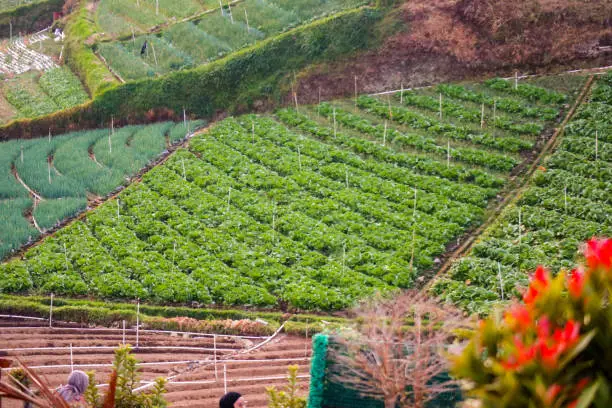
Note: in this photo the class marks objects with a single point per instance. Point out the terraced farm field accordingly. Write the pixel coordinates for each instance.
(33, 83)
(188, 359)
(47, 180)
(568, 201)
(308, 209)
(211, 36)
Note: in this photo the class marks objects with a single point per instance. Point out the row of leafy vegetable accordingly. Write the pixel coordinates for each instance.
(568, 201)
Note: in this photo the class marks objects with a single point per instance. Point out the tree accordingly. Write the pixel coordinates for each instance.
(397, 351)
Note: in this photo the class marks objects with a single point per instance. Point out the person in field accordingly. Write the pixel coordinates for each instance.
(73, 392)
(232, 400)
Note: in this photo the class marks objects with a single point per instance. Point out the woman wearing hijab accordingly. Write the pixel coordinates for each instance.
(73, 392)
(232, 400)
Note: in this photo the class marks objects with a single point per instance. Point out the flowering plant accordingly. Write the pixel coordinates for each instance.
(552, 350)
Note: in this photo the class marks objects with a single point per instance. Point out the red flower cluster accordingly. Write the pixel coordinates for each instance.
(547, 347)
(598, 254)
(538, 284)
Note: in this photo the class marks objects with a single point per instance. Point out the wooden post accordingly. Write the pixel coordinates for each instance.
(221, 7)
(299, 158)
(246, 17)
(137, 323)
(184, 172)
(494, 110)
(385, 134)
(229, 8)
(335, 126)
(501, 280)
(123, 333)
(389, 103)
(402, 93)
(355, 93)
(156, 7)
(49, 135)
(71, 359)
(225, 378)
(215, 355)
(253, 131)
(482, 117)
(154, 55)
(515, 80)
(51, 311)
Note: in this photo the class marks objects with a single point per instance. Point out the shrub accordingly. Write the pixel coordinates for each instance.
(552, 350)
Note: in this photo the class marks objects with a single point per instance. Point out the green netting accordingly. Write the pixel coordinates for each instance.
(325, 393)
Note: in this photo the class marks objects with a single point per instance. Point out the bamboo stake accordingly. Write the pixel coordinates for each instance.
(49, 169)
(184, 172)
(118, 209)
(494, 110)
(154, 55)
(355, 93)
(51, 311)
(389, 103)
(402, 93)
(137, 322)
(156, 7)
(229, 8)
(246, 17)
(221, 7)
(49, 135)
(501, 281)
(385, 134)
(225, 378)
(482, 116)
(515, 80)
(215, 355)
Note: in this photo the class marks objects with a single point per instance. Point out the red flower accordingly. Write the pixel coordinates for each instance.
(576, 281)
(539, 282)
(518, 318)
(523, 355)
(598, 253)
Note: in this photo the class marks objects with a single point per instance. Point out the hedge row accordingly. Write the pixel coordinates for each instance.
(29, 17)
(80, 56)
(109, 314)
(234, 82)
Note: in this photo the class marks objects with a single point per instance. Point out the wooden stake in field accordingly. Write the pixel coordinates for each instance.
(184, 172)
(156, 7)
(346, 175)
(494, 110)
(215, 355)
(385, 134)
(355, 93)
(515, 80)
(221, 7)
(49, 169)
(246, 17)
(133, 36)
(137, 322)
(482, 116)
(118, 207)
(335, 126)
(319, 105)
(501, 280)
(294, 88)
(51, 311)
(389, 103)
(402, 93)
(225, 378)
(229, 8)
(49, 135)
(110, 143)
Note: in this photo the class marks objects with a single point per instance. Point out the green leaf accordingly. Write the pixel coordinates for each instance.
(582, 344)
(588, 395)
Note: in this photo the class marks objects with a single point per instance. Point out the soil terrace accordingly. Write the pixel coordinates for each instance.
(191, 368)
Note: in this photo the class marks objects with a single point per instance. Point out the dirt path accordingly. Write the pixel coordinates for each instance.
(32, 192)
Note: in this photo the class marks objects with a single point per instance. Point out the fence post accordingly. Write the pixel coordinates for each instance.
(51, 312)
(215, 356)
(137, 322)
(224, 378)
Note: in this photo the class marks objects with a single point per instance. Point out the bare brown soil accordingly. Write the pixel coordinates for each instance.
(248, 373)
(446, 40)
